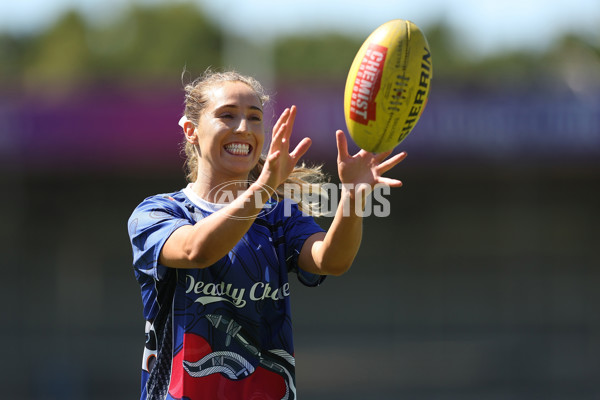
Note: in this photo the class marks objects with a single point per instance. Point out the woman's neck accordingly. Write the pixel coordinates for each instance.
(219, 190)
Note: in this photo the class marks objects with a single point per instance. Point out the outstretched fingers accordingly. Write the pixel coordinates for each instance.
(342, 145)
(389, 181)
(280, 121)
(386, 165)
(379, 157)
(282, 131)
(301, 149)
(280, 161)
(289, 124)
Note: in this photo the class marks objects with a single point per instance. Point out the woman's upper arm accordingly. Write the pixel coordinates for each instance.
(176, 252)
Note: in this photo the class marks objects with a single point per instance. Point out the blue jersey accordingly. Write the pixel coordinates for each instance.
(224, 331)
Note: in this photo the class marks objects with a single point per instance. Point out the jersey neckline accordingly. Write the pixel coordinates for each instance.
(199, 201)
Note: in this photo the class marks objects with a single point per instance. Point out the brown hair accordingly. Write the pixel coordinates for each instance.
(195, 102)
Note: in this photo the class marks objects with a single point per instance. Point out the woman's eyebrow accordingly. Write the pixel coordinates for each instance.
(237, 106)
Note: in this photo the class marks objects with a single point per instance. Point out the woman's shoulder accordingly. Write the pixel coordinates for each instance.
(165, 198)
(163, 201)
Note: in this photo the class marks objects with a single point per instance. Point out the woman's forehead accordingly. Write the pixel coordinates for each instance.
(233, 94)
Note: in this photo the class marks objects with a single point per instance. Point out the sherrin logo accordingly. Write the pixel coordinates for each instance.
(367, 83)
(420, 99)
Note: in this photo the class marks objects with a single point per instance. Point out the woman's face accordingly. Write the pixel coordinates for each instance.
(230, 131)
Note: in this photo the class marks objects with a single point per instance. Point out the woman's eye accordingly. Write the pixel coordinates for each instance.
(256, 118)
(226, 115)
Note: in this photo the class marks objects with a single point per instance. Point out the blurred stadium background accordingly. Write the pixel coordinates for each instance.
(482, 284)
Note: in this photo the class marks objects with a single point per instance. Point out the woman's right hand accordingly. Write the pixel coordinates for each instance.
(280, 162)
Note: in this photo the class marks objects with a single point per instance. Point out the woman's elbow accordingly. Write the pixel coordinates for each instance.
(200, 259)
(336, 269)
(186, 259)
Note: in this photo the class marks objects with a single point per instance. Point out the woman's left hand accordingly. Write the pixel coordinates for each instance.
(362, 171)
(333, 252)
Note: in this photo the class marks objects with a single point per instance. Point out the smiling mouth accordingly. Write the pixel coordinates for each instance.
(238, 149)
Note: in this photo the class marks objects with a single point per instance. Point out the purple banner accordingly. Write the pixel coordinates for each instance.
(115, 129)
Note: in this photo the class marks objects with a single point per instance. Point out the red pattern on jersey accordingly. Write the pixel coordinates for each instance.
(261, 384)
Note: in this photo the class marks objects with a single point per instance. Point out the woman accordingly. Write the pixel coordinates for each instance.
(213, 259)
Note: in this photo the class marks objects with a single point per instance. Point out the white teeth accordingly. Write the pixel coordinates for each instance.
(238, 148)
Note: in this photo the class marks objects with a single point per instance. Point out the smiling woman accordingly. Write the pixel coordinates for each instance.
(214, 275)
(197, 96)
(228, 136)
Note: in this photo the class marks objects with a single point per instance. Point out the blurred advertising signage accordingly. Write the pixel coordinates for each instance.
(115, 129)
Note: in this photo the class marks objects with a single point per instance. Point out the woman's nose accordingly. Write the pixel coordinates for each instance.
(242, 126)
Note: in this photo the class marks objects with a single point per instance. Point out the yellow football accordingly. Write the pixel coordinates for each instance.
(387, 86)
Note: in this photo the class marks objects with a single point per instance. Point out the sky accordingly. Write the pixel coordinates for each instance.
(485, 26)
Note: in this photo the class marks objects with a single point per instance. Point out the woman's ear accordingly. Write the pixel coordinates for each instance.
(189, 130)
